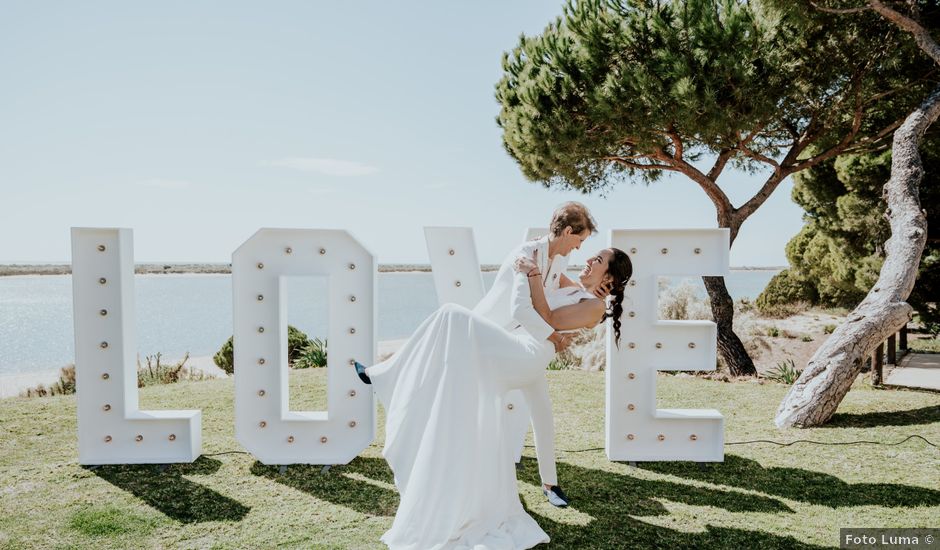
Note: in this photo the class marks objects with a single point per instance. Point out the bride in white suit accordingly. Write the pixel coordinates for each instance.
(442, 393)
(509, 305)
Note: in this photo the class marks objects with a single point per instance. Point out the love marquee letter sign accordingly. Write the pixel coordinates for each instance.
(113, 430)
(635, 429)
(111, 427)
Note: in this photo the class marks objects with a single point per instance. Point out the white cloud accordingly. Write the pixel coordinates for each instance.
(161, 183)
(329, 167)
(438, 185)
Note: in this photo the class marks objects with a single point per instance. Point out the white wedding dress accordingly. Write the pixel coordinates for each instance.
(442, 393)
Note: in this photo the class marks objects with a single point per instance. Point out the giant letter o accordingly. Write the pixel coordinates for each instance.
(263, 422)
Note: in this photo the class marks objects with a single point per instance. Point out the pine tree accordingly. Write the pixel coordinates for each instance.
(615, 91)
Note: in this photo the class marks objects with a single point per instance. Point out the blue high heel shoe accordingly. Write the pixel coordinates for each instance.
(361, 371)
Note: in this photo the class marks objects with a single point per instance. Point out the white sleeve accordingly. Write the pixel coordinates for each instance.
(520, 299)
(543, 428)
(523, 310)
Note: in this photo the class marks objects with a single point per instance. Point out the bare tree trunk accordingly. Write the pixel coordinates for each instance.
(827, 378)
(730, 348)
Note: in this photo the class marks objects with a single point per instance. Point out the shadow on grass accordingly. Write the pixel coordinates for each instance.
(611, 499)
(913, 417)
(339, 488)
(799, 484)
(606, 496)
(174, 495)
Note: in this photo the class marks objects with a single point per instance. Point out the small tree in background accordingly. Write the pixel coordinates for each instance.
(615, 91)
(297, 340)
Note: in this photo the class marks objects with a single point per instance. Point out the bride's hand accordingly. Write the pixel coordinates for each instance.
(561, 340)
(524, 265)
(603, 290)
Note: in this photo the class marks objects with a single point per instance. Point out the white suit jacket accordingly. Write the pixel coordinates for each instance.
(509, 303)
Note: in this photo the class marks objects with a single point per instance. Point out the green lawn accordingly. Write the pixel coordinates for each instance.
(762, 496)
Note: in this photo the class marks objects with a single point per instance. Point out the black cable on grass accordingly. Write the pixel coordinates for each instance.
(227, 453)
(787, 444)
(925, 440)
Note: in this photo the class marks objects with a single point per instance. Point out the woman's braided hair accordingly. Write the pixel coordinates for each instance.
(620, 268)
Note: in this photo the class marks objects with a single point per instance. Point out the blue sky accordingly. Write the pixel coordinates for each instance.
(196, 123)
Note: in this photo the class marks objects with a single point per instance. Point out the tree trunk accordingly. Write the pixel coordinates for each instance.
(833, 368)
(730, 348)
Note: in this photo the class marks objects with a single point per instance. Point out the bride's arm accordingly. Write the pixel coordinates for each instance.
(584, 314)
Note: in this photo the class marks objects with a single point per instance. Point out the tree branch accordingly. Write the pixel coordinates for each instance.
(838, 148)
(676, 142)
(717, 196)
(780, 173)
(752, 135)
(864, 143)
(723, 156)
(791, 129)
(839, 10)
(921, 36)
(882, 95)
(762, 194)
(639, 166)
(758, 156)
(810, 132)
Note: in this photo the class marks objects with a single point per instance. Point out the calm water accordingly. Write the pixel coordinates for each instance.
(180, 313)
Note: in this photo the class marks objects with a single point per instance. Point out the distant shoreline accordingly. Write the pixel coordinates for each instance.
(173, 268)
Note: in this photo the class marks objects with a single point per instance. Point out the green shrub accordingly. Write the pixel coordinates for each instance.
(563, 361)
(296, 341)
(783, 373)
(784, 288)
(806, 338)
(225, 357)
(773, 331)
(932, 327)
(828, 329)
(313, 355)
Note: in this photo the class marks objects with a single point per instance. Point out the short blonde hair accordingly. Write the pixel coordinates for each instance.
(575, 215)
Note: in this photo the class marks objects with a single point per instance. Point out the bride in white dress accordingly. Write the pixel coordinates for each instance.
(442, 393)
